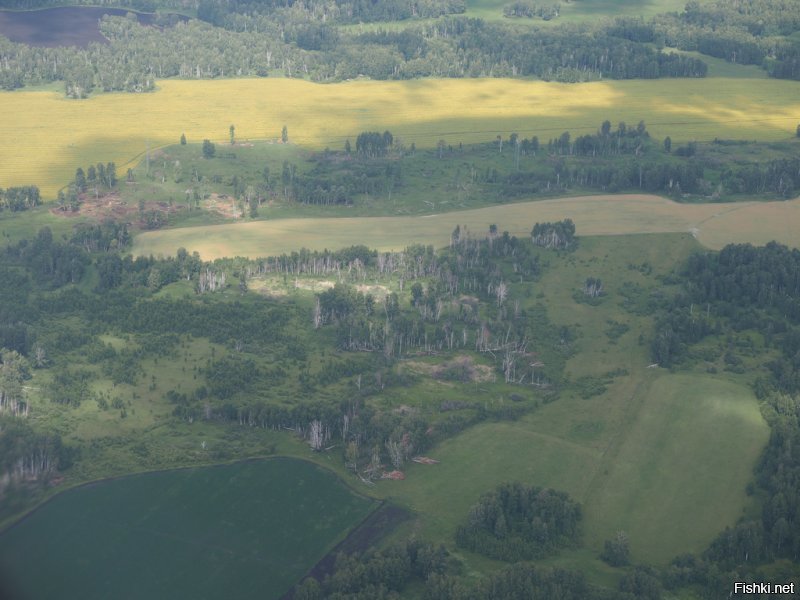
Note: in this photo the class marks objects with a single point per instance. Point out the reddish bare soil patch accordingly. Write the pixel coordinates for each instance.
(111, 207)
(224, 205)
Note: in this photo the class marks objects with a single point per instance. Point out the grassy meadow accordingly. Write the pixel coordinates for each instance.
(664, 457)
(245, 530)
(713, 224)
(51, 136)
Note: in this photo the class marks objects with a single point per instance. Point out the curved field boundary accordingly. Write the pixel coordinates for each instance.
(713, 224)
(50, 136)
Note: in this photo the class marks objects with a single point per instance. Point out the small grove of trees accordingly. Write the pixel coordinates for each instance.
(518, 522)
(102, 174)
(14, 369)
(616, 551)
(19, 198)
(373, 144)
(593, 287)
(531, 10)
(27, 456)
(557, 236)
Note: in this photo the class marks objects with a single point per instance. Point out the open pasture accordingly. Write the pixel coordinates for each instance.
(713, 224)
(668, 465)
(237, 531)
(50, 136)
(664, 457)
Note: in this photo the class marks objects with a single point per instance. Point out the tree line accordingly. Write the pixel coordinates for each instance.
(16, 199)
(297, 44)
(739, 289)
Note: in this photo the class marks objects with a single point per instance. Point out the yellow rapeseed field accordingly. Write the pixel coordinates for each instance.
(45, 137)
(714, 225)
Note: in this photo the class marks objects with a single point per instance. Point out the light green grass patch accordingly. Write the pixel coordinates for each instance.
(672, 475)
(715, 225)
(680, 474)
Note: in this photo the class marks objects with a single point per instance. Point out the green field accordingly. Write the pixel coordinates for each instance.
(664, 457)
(668, 465)
(245, 530)
(579, 11)
(51, 136)
(713, 224)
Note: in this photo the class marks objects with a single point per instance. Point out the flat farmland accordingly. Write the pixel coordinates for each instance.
(50, 136)
(245, 530)
(714, 225)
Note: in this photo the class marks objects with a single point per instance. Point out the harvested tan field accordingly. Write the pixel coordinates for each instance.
(713, 224)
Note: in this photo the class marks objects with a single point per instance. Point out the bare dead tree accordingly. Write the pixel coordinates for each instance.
(501, 291)
(316, 435)
(396, 454)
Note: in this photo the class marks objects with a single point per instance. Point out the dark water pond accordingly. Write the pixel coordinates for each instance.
(62, 26)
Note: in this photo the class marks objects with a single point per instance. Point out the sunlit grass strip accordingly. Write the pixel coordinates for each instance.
(45, 137)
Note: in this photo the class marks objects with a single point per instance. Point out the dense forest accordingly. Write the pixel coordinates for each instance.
(304, 40)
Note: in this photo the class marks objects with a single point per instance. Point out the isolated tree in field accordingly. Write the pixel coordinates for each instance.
(616, 551)
(80, 180)
(111, 174)
(668, 144)
(39, 356)
(347, 147)
(501, 291)
(209, 149)
(396, 455)
(285, 134)
(183, 139)
(593, 287)
(233, 134)
(177, 171)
